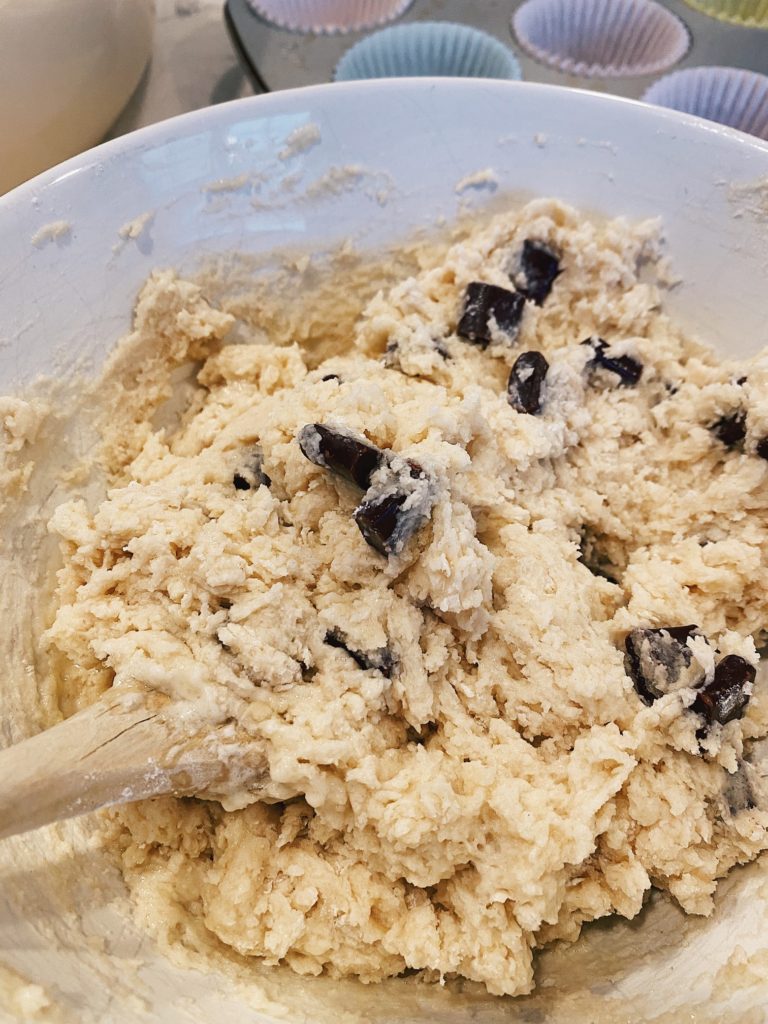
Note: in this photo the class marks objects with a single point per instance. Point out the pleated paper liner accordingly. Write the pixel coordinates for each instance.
(422, 48)
(329, 16)
(750, 13)
(601, 38)
(730, 96)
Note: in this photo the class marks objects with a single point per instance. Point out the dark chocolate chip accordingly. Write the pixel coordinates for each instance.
(252, 472)
(539, 266)
(354, 460)
(484, 304)
(395, 508)
(738, 793)
(628, 369)
(724, 699)
(331, 376)
(381, 659)
(659, 661)
(731, 429)
(741, 381)
(526, 380)
(377, 520)
(762, 448)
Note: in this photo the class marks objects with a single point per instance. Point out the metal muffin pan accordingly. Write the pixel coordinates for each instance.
(277, 59)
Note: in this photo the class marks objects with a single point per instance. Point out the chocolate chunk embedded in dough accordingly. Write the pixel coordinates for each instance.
(343, 454)
(526, 382)
(486, 305)
(659, 661)
(731, 429)
(726, 697)
(539, 266)
(380, 659)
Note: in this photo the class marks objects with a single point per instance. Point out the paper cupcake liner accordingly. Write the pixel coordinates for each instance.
(422, 48)
(601, 38)
(329, 16)
(750, 13)
(729, 96)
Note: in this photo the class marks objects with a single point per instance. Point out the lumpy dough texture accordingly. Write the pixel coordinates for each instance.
(460, 767)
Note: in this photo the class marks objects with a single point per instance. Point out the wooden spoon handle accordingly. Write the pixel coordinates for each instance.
(115, 751)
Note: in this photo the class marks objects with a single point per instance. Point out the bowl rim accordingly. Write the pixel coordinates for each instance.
(180, 125)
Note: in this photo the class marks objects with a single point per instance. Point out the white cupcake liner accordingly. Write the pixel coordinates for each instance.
(601, 38)
(420, 48)
(329, 16)
(730, 96)
(750, 13)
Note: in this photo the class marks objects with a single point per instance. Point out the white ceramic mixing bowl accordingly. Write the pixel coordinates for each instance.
(248, 176)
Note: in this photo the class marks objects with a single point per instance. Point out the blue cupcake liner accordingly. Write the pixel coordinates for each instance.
(428, 48)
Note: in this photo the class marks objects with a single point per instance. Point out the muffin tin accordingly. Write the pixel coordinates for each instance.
(279, 59)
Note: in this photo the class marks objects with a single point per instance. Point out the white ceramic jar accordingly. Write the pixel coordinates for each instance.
(67, 68)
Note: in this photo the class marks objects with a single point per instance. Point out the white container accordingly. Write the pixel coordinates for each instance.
(67, 68)
(62, 923)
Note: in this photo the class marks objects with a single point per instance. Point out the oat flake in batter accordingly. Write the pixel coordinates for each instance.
(485, 588)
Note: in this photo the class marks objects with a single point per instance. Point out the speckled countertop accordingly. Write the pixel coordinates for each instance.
(193, 65)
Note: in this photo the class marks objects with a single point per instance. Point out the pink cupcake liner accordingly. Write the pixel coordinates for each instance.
(730, 96)
(329, 16)
(601, 38)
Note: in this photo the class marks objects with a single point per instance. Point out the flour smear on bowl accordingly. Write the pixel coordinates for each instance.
(480, 572)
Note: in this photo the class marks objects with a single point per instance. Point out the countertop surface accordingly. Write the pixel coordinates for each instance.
(193, 64)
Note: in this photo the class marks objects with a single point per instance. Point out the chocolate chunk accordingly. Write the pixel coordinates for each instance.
(526, 379)
(395, 507)
(731, 429)
(762, 448)
(539, 266)
(252, 473)
(725, 698)
(377, 520)
(659, 661)
(343, 454)
(381, 659)
(628, 369)
(331, 376)
(486, 305)
(738, 793)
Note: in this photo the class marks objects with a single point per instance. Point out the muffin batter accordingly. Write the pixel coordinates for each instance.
(484, 587)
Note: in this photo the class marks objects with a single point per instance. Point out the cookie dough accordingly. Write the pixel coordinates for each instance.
(485, 586)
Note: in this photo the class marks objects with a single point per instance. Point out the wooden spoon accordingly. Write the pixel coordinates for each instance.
(123, 748)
